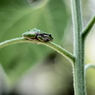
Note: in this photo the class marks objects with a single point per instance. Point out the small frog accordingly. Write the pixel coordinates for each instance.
(36, 34)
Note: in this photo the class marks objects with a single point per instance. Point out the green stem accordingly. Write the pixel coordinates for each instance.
(88, 27)
(78, 68)
(88, 66)
(52, 45)
(12, 41)
(61, 50)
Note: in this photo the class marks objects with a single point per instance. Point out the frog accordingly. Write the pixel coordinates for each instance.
(36, 34)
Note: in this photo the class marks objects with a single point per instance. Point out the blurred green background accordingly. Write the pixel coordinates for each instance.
(31, 69)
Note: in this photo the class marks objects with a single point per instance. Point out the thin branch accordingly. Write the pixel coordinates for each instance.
(12, 41)
(88, 66)
(88, 27)
(61, 50)
(52, 45)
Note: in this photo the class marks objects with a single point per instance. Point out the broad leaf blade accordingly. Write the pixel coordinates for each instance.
(17, 17)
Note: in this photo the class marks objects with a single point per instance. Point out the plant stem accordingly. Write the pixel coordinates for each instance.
(78, 68)
(88, 66)
(52, 45)
(12, 41)
(62, 51)
(88, 27)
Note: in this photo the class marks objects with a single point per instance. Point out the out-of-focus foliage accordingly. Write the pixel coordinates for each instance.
(88, 12)
(53, 76)
(18, 16)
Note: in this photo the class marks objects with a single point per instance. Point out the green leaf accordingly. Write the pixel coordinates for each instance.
(18, 16)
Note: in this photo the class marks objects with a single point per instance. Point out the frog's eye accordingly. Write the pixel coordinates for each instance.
(50, 35)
